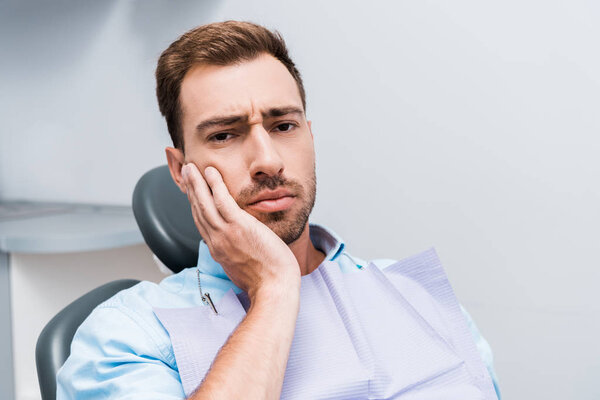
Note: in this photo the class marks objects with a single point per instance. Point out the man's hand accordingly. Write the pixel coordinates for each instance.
(251, 364)
(251, 254)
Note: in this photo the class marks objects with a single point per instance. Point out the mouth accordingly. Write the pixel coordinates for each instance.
(271, 201)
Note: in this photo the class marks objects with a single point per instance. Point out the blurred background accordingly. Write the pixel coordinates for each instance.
(469, 126)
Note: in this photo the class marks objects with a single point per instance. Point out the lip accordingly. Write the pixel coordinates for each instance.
(272, 200)
(271, 195)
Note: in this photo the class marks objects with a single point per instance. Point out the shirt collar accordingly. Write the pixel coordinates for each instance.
(322, 238)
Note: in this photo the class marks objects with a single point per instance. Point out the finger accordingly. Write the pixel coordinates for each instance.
(224, 202)
(199, 218)
(199, 221)
(201, 198)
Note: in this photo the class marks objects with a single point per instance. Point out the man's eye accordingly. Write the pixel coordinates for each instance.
(285, 127)
(220, 137)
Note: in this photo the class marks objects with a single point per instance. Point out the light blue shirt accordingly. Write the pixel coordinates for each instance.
(122, 350)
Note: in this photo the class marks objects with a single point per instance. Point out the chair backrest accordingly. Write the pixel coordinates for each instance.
(165, 219)
(54, 343)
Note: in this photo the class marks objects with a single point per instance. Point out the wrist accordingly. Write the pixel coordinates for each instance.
(279, 292)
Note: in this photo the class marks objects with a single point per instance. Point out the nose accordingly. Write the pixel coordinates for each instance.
(265, 161)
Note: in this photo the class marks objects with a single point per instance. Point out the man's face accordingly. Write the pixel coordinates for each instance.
(247, 121)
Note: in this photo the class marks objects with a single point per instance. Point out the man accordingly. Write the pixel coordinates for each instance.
(243, 152)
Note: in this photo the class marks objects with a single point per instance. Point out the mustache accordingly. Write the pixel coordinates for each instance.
(271, 183)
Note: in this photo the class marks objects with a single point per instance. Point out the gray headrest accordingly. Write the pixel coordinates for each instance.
(164, 216)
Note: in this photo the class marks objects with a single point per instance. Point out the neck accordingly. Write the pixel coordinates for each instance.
(308, 257)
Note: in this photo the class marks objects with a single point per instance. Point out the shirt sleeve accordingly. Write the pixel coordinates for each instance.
(484, 349)
(116, 355)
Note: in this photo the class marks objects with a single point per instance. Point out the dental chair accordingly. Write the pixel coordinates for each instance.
(164, 217)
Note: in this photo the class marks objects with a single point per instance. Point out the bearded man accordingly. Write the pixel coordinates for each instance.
(276, 307)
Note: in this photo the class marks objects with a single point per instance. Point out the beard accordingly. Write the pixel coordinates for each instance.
(287, 224)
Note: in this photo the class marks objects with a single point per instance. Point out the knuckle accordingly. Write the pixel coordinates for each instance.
(202, 207)
(195, 213)
(218, 201)
(198, 222)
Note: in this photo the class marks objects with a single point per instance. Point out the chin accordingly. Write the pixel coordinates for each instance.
(287, 226)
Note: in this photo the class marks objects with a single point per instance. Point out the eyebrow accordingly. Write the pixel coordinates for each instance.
(227, 120)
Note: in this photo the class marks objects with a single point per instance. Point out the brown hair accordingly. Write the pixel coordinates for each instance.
(221, 43)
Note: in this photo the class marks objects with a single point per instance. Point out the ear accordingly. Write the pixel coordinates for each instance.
(176, 161)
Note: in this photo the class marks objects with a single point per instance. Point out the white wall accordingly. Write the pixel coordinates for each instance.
(44, 284)
(471, 126)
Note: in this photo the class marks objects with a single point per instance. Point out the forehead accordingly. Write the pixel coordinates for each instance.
(244, 88)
